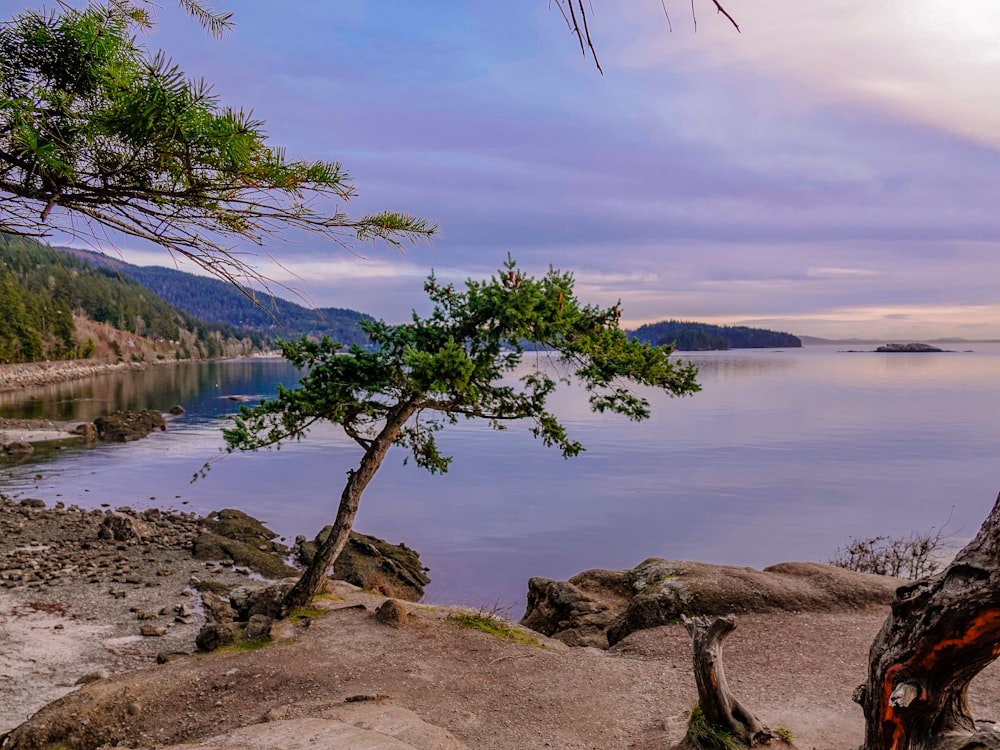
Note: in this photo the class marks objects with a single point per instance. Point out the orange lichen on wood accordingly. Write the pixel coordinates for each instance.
(984, 628)
(891, 723)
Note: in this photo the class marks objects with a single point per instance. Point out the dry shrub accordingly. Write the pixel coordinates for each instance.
(916, 556)
(376, 581)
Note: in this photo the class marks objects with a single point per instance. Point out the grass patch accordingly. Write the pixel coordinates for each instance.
(327, 598)
(491, 623)
(702, 733)
(246, 645)
(784, 734)
(303, 613)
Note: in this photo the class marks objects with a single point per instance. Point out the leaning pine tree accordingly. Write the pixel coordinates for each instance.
(457, 362)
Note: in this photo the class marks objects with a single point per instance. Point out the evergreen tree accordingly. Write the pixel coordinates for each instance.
(456, 363)
(94, 129)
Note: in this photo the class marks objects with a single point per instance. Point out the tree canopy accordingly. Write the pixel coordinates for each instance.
(461, 361)
(97, 132)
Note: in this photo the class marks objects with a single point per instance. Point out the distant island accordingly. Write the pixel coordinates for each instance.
(690, 336)
(911, 347)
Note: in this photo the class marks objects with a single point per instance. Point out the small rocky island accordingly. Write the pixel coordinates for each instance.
(911, 347)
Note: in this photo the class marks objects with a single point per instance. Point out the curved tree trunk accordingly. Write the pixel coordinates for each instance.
(720, 707)
(941, 633)
(312, 580)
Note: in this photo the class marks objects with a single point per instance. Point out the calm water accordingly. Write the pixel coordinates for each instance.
(783, 456)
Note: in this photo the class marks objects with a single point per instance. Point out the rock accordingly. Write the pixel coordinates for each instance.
(18, 448)
(258, 626)
(177, 410)
(152, 631)
(122, 528)
(371, 563)
(657, 592)
(235, 524)
(32, 502)
(86, 430)
(124, 426)
(359, 726)
(166, 656)
(217, 608)
(267, 601)
(578, 612)
(215, 635)
(210, 546)
(391, 613)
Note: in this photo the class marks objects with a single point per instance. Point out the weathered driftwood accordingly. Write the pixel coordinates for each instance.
(719, 706)
(942, 631)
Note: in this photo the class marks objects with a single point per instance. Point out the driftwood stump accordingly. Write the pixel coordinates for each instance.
(720, 708)
(942, 631)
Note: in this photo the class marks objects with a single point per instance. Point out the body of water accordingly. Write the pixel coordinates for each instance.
(784, 455)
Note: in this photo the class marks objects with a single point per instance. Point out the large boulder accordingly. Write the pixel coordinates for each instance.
(371, 563)
(601, 607)
(123, 426)
(578, 611)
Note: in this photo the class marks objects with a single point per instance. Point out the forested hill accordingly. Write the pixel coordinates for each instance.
(699, 337)
(47, 299)
(216, 301)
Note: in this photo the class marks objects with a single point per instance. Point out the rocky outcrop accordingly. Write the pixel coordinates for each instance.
(233, 535)
(371, 563)
(124, 426)
(373, 725)
(601, 607)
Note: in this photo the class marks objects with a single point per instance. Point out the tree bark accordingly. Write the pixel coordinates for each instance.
(942, 631)
(720, 707)
(311, 582)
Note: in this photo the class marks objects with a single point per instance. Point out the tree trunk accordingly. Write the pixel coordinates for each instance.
(311, 582)
(942, 631)
(721, 709)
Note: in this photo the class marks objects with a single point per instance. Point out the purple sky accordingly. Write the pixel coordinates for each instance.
(832, 170)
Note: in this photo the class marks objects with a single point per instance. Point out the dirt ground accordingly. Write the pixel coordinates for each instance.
(80, 617)
(795, 671)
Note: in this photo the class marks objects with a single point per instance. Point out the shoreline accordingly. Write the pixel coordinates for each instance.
(13, 377)
(73, 605)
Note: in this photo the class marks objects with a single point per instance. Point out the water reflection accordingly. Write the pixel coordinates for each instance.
(200, 387)
(783, 455)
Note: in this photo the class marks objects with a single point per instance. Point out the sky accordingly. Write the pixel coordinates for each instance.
(830, 170)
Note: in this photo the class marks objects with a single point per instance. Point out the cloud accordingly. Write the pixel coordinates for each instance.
(832, 160)
(921, 60)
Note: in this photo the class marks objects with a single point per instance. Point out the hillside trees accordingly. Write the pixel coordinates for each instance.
(41, 290)
(97, 134)
(689, 336)
(459, 362)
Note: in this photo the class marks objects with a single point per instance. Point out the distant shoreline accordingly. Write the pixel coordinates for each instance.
(27, 374)
(817, 341)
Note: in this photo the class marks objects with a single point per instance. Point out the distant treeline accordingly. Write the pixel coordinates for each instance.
(216, 301)
(41, 290)
(698, 337)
